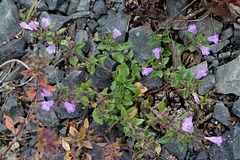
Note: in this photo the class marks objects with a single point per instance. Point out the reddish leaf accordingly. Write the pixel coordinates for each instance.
(43, 81)
(9, 123)
(50, 88)
(32, 94)
(115, 145)
(101, 144)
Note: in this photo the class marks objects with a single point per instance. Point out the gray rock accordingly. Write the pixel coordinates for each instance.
(63, 7)
(217, 47)
(77, 76)
(72, 8)
(236, 108)
(202, 156)
(173, 147)
(15, 73)
(227, 33)
(54, 75)
(93, 50)
(72, 30)
(151, 82)
(46, 117)
(236, 29)
(100, 7)
(194, 70)
(109, 22)
(215, 63)
(173, 45)
(58, 19)
(53, 4)
(83, 5)
(116, 0)
(236, 53)
(207, 26)
(28, 3)
(173, 7)
(138, 36)
(228, 77)
(229, 148)
(63, 131)
(224, 55)
(163, 155)
(80, 14)
(130, 142)
(81, 23)
(82, 36)
(92, 24)
(97, 152)
(13, 49)
(62, 113)
(209, 58)
(101, 78)
(109, 62)
(126, 155)
(9, 20)
(12, 109)
(209, 82)
(221, 114)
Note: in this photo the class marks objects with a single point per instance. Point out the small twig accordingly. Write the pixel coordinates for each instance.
(205, 119)
(14, 60)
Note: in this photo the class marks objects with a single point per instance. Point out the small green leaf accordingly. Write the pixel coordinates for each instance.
(77, 91)
(179, 48)
(101, 47)
(33, 34)
(167, 53)
(164, 139)
(101, 58)
(181, 146)
(182, 70)
(137, 145)
(91, 69)
(123, 69)
(127, 45)
(161, 106)
(186, 93)
(79, 46)
(117, 47)
(130, 54)
(166, 33)
(184, 116)
(170, 132)
(73, 61)
(118, 57)
(63, 42)
(52, 25)
(84, 100)
(190, 35)
(139, 122)
(166, 40)
(178, 77)
(95, 114)
(150, 116)
(188, 75)
(108, 46)
(174, 83)
(61, 31)
(165, 61)
(192, 48)
(92, 59)
(153, 41)
(49, 40)
(123, 113)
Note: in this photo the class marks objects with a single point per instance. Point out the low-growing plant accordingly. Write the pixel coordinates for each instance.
(124, 102)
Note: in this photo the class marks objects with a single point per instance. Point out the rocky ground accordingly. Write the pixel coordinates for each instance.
(85, 21)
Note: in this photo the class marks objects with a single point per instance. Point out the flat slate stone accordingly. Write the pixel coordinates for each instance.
(228, 77)
(236, 108)
(221, 114)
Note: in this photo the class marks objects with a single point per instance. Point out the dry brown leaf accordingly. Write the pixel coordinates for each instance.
(65, 145)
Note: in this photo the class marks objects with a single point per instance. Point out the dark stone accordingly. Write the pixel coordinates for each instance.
(82, 36)
(58, 19)
(63, 131)
(96, 153)
(209, 58)
(77, 76)
(227, 33)
(236, 108)
(100, 7)
(13, 49)
(138, 36)
(72, 30)
(63, 7)
(229, 148)
(53, 4)
(126, 156)
(15, 74)
(72, 8)
(109, 62)
(80, 14)
(151, 82)
(217, 47)
(28, 3)
(202, 156)
(173, 7)
(101, 78)
(93, 50)
(228, 77)
(221, 114)
(83, 5)
(46, 117)
(208, 84)
(54, 75)
(92, 24)
(224, 55)
(130, 142)
(81, 23)
(163, 155)
(173, 147)
(12, 109)
(109, 22)
(9, 21)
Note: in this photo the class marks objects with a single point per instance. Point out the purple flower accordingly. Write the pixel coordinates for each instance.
(192, 28)
(29, 26)
(196, 98)
(45, 22)
(156, 51)
(47, 104)
(70, 107)
(201, 72)
(116, 33)
(146, 71)
(217, 140)
(45, 93)
(187, 125)
(51, 49)
(205, 50)
(214, 39)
